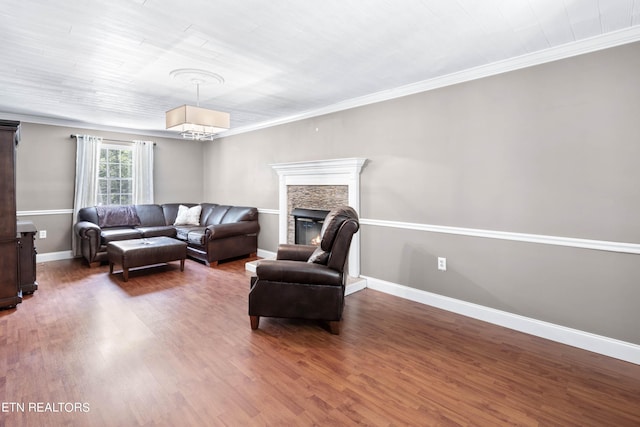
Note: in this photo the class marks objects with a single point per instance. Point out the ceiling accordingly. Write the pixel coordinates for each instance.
(107, 63)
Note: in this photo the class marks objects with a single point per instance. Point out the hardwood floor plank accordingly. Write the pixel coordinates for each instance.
(176, 348)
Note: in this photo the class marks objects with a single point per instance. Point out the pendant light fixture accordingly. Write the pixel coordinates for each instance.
(195, 122)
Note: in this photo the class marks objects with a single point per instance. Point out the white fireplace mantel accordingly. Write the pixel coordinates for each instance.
(322, 172)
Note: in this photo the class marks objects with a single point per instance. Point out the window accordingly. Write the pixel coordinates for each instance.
(115, 175)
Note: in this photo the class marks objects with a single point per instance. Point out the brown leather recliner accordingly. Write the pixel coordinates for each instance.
(305, 281)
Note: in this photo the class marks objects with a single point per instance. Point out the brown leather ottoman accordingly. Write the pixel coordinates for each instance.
(141, 252)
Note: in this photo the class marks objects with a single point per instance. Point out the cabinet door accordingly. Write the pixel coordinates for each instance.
(27, 263)
(7, 186)
(9, 287)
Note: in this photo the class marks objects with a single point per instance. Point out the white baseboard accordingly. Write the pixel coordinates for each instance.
(355, 284)
(587, 341)
(266, 254)
(54, 256)
(251, 265)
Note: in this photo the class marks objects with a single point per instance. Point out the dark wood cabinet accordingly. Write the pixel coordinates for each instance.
(27, 258)
(10, 294)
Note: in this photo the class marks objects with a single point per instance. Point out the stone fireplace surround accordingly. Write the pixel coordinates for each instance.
(314, 197)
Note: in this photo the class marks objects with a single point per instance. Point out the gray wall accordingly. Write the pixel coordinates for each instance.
(551, 150)
(45, 176)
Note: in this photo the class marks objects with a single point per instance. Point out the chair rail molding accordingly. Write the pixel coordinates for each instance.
(322, 172)
(602, 245)
(45, 212)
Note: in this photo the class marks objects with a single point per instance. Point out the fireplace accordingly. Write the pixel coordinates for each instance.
(308, 224)
(318, 175)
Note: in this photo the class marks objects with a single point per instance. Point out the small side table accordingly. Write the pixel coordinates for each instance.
(27, 257)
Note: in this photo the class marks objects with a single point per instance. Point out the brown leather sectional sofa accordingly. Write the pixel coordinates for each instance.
(223, 231)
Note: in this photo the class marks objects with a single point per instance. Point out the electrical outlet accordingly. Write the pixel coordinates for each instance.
(43, 234)
(442, 264)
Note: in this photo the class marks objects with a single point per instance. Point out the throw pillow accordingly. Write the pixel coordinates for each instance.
(319, 257)
(188, 216)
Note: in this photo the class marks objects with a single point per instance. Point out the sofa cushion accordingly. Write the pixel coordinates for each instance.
(192, 235)
(297, 272)
(182, 231)
(157, 231)
(119, 233)
(216, 215)
(207, 208)
(188, 216)
(197, 236)
(150, 215)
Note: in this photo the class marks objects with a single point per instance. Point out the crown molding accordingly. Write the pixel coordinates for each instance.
(589, 45)
(51, 121)
(592, 44)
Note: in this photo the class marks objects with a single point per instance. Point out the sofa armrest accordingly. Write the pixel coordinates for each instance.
(86, 229)
(297, 272)
(295, 252)
(89, 239)
(221, 231)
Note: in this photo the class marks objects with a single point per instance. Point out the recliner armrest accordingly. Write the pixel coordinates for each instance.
(297, 272)
(295, 252)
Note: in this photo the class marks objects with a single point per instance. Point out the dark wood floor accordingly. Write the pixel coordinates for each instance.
(172, 348)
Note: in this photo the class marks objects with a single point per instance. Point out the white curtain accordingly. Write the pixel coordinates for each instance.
(87, 158)
(142, 172)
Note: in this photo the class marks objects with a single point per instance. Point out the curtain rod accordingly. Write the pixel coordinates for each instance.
(108, 139)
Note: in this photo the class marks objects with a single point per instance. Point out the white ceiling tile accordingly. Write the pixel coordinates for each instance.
(615, 14)
(107, 62)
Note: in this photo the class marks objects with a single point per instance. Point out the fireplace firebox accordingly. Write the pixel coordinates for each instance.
(308, 224)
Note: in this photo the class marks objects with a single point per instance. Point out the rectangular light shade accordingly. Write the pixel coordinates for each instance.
(188, 118)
